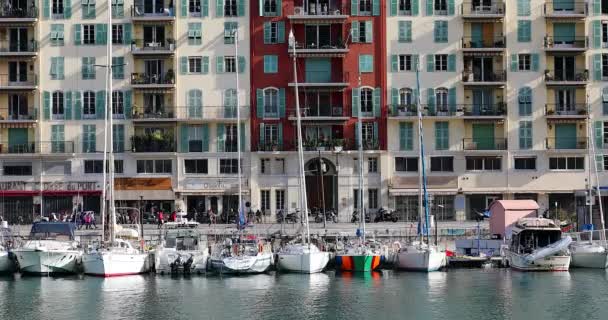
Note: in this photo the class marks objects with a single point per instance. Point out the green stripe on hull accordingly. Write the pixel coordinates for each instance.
(362, 263)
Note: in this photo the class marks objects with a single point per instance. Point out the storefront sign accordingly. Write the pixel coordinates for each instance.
(213, 184)
(49, 186)
(142, 184)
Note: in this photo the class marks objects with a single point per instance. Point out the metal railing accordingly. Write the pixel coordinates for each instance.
(565, 7)
(402, 110)
(565, 109)
(27, 13)
(153, 143)
(567, 75)
(332, 45)
(318, 111)
(496, 41)
(139, 11)
(489, 76)
(313, 11)
(372, 144)
(211, 112)
(481, 110)
(484, 144)
(562, 42)
(555, 143)
(273, 146)
(478, 8)
(151, 113)
(18, 114)
(18, 46)
(143, 79)
(17, 80)
(140, 45)
(45, 147)
(322, 77)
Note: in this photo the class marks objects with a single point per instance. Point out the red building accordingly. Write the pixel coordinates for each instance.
(341, 66)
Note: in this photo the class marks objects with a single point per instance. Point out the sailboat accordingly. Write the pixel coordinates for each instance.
(302, 257)
(590, 254)
(118, 257)
(421, 255)
(6, 263)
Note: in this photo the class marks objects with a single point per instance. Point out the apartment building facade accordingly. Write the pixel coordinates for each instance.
(513, 98)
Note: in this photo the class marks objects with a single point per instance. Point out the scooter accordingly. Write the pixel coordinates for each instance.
(385, 215)
(330, 215)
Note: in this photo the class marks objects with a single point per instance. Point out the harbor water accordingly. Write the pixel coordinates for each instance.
(457, 294)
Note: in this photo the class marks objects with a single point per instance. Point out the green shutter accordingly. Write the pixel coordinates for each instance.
(261, 143)
(126, 33)
(514, 62)
(452, 99)
(405, 31)
(219, 8)
(67, 9)
(281, 102)
(77, 34)
(259, 103)
(394, 8)
(100, 104)
(369, 31)
(376, 7)
(205, 65)
(267, 32)
(242, 137)
(46, 105)
(183, 65)
(77, 96)
(220, 137)
(394, 63)
(184, 8)
(598, 128)
(184, 138)
(118, 68)
(46, 8)
(241, 64)
(452, 62)
(596, 28)
(355, 96)
(406, 139)
(430, 100)
(524, 32)
(128, 104)
(429, 7)
(354, 7)
(376, 101)
(535, 61)
(597, 7)
(101, 34)
(415, 62)
(354, 32)
(280, 135)
(415, 7)
(451, 7)
(205, 132)
(430, 62)
(597, 67)
(241, 8)
(68, 105)
(219, 64)
(280, 31)
(523, 7)
(394, 99)
(119, 138)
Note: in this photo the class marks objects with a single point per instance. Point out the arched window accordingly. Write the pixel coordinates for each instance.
(441, 99)
(88, 104)
(271, 102)
(195, 103)
(57, 105)
(406, 97)
(524, 99)
(367, 100)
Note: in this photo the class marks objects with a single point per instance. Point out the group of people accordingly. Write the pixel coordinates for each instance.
(173, 217)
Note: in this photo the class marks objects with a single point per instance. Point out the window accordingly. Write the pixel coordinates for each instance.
(484, 163)
(525, 134)
(118, 104)
(270, 8)
(88, 9)
(271, 102)
(605, 133)
(57, 7)
(230, 32)
(229, 166)
(528, 163)
(441, 7)
(441, 99)
(372, 165)
(405, 62)
(362, 31)
(271, 134)
(195, 138)
(88, 68)
(372, 198)
(96, 166)
(604, 34)
(265, 200)
(365, 7)
(229, 64)
(118, 9)
(367, 102)
(524, 62)
(118, 68)
(604, 66)
(406, 164)
(524, 31)
(405, 7)
(57, 35)
(195, 34)
(406, 97)
(279, 199)
(194, 7)
(88, 31)
(441, 62)
(525, 101)
(523, 8)
(567, 163)
(231, 138)
(57, 108)
(441, 31)
(57, 68)
(265, 166)
(118, 138)
(117, 34)
(230, 8)
(196, 166)
(89, 139)
(368, 132)
(271, 64)
(58, 168)
(442, 164)
(88, 105)
(366, 63)
(17, 169)
(154, 166)
(406, 136)
(405, 31)
(274, 32)
(195, 64)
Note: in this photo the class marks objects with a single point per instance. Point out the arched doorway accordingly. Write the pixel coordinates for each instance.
(321, 185)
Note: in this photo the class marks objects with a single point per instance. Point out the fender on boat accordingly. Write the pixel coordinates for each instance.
(548, 250)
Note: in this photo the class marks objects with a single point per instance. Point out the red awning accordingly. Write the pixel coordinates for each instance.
(23, 193)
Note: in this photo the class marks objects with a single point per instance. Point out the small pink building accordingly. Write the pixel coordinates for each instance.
(505, 213)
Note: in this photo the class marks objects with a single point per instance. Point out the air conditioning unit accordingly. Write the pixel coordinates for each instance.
(299, 11)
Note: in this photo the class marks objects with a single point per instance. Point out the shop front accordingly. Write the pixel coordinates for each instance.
(149, 195)
(442, 195)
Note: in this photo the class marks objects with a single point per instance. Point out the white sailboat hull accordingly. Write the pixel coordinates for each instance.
(259, 263)
(548, 263)
(589, 256)
(427, 260)
(308, 262)
(165, 258)
(6, 264)
(113, 264)
(34, 261)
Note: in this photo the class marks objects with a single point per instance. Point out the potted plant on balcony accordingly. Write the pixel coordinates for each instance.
(170, 76)
(338, 145)
(582, 112)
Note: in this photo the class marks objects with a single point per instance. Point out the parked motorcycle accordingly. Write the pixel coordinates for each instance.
(330, 215)
(289, 218)
(384, 214)
(355, 217)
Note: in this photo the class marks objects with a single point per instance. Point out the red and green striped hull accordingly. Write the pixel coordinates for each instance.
(357, 263)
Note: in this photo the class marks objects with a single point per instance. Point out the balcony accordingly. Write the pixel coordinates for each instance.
(556, 44)
(566, 111)
(331, 144)
(491, 44)
(140, 47)
(566, 78)
(274, 146)
(145, 13)
(23, 15)
(484, 144)
(564, 9)
(486, 111)
(199, 114)
(335, 113)
(27, 81)
(489, 78)
(153, 81)
(153, 114)
(336, 80)
(483, 10)
(324, 49)
(368, 145)
(566, 143)
(327, 13)
(18, 49)
(153, 142)
(44, 147)
(402, 110)
(18, 115)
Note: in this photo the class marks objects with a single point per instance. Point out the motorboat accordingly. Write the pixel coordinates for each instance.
(242, 257)
(181, 251)
(303, 258)
(588, 255)
(118, 259)
(537, 245)
(7, 264)
(419, 256)
(51, 249)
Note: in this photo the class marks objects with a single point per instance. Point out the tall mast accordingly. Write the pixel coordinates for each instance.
(109, 122)
(360, 134)
(597, 180)
(235, 34)
(422, 192)
(303, 195)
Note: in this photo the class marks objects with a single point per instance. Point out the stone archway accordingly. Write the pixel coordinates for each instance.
(323, 187)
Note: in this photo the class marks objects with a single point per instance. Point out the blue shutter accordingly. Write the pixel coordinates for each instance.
(405, 31)
(523, 8)
(451, 7)
(259, 103)
(183, 65)
(394, 63)
(281, 102)
(524, 32)
(68, 105)
(354, 7)
(597, 67)
(514, 62)
(452, 99)
(241, 8)
(354, 32)
(126, 33)
(369, 32)
(128, 107)
(46, 8)
(100, 104)
(219, 8)
(184, 8)
(596, 28)
(219, 64)
(394, 8)
(430, 100)
(355, 96)
(184, 138)
(77, 96)
(205, 132)
(394, 99)
(376, 7)
(77, 34)
(598, 128)
(452, 62)
(280, 31)
(241, 62)
(415, 7)
(67, 9)
(205, 65)
(429, 7)
(535, 61)
(406, 139)
(376, 101)
(46, 105)
(101, 34)
(430, 62)
(597, 7)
